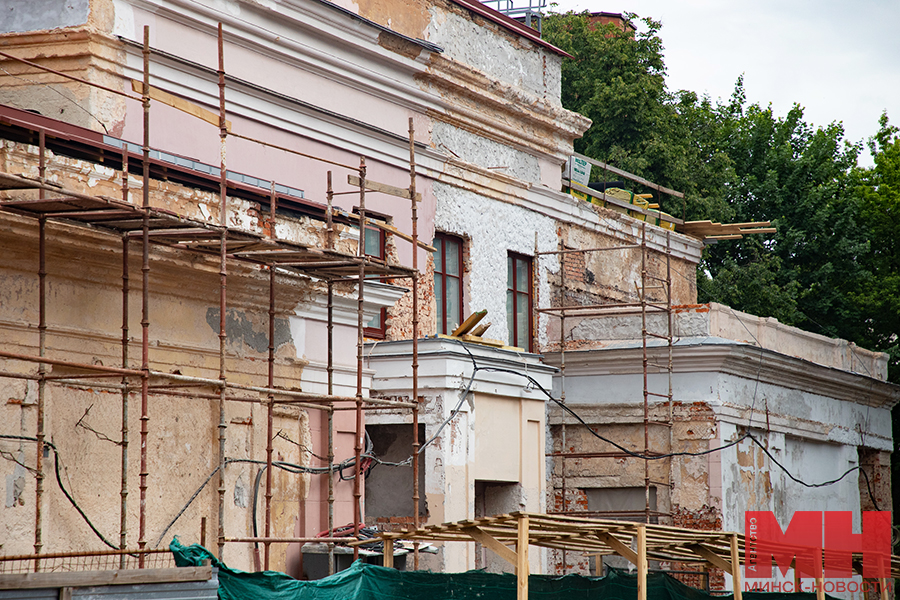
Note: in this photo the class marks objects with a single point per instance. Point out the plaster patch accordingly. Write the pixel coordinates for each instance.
(487, 153)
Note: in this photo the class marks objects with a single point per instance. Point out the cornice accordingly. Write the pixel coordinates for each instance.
(717, 355)
(504, 109)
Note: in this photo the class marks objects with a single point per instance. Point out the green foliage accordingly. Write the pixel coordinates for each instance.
(735, 162)
(833, 267)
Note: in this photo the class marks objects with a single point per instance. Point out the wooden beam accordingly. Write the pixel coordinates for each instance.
(180, 104)
(620, 548)
(92, 578)
(388, 553)
(642, 562)
(398, 233)
(736, 568)
(522, 556)
(820, 578)
(390, 190)
(489, 541)
(711, 557)
(631, 176)
(470, 322)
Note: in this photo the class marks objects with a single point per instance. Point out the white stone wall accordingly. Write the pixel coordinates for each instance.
(518, 63)
(493, 229)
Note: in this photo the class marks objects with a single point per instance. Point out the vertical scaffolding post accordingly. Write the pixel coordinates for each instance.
(223, 193)
(671, 364)
(123, 492)
(330, 426)
(42, 388)
(361, 251)
(123, 508)
(562, 379)
(42, 368)
(145, 299)
(644, 359)
(415, 340)
(329, 242)
(270, 416)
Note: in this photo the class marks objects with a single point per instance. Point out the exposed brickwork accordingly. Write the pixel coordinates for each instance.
(574, 267)
(705, 519)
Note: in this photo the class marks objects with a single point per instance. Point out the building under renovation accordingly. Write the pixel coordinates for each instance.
(277, 271)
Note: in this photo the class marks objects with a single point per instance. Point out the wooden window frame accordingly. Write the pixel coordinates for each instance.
(529, 293)
(441, 271)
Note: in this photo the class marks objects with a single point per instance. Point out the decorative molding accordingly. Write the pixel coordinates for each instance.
(717, 355)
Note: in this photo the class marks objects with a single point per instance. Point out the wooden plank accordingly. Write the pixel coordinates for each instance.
(620, 548)
(398, 233)
(631, 176)
(389, 553)
(374, 186)
(622, 203)
(180, 104)
(522, 563)
(711, 557)
(736, 568)
(470, 322)
(92, 578)
(65, 593)
(642, 562)
(489, 541)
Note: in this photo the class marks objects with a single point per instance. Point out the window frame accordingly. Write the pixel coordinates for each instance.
(529, 294)
(378, 333)
(441, 238)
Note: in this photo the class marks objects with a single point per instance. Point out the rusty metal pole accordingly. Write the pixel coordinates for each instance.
(145, 300)
(644, 352)
(329, 243)
(270, 417)
(415, 340)
(223, 192)
(361, 251)
(42, 368)
(671, 367)
(562, 381)
(123, 491)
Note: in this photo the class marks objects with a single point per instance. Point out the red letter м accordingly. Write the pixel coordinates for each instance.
(874, 543)
(802, 540)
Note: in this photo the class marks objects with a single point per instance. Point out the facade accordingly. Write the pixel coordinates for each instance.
(311, 86)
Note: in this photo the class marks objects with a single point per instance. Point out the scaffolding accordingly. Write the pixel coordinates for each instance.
(145, 226)
(648, 292)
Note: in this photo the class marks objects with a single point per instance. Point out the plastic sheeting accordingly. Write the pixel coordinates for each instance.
(369, 582)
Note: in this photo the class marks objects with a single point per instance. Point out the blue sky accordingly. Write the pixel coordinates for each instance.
(839, 60)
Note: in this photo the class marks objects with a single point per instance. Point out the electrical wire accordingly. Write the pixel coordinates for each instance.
(63, 487)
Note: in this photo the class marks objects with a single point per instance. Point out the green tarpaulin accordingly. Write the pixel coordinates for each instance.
(369, 582)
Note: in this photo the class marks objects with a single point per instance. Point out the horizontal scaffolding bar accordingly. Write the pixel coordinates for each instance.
(290, 540)
(74, 365)
(549, 253)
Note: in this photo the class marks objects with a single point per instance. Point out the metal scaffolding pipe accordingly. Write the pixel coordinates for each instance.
(65, 363)
(270, 417)
(415, 340)
(123, 491)
(145, 300)
(644, 358)
(357, 446)
(330, 371)
(42, 348)
(223, 189)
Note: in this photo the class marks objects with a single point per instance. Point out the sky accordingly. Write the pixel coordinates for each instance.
(840, 61)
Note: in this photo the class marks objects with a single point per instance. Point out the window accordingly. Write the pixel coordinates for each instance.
(447, 281)
(518, 300)
(374, 247)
